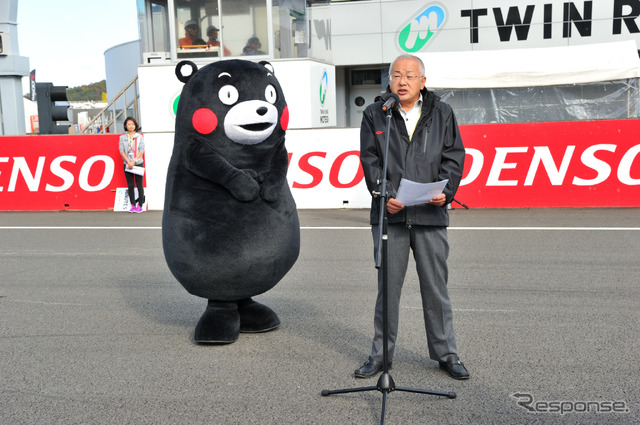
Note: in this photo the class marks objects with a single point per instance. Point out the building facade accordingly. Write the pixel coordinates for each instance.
(358, 40)
(494, 61)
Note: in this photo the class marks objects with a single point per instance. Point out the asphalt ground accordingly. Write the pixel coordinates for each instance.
(94, 329)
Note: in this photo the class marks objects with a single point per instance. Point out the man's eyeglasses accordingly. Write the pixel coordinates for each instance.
(409, 78)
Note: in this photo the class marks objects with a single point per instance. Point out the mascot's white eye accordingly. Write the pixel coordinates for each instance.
(270, 94)
(228, 95)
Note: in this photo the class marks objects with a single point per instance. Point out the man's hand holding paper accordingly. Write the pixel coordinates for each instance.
(412, 193)
(393, 206)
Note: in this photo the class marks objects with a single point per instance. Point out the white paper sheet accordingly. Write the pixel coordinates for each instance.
(136, 170)
(412, 193)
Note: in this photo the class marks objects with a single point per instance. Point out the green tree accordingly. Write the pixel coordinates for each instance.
(90, 92)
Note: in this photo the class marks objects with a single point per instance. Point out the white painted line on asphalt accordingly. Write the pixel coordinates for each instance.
(546, 228)
(143, 228)
(45, 302)
(488, 228)
(321, 228)
(335, 228)
(473, 310)
(78, 228)
(484, 310)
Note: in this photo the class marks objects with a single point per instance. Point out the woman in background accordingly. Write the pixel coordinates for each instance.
(131, 150)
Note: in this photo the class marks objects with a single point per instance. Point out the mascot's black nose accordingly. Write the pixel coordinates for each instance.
(262, 110)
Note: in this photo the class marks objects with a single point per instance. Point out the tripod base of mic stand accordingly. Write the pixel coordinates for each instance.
(385, 385)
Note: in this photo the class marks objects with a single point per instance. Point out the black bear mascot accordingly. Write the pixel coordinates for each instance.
(230, 227)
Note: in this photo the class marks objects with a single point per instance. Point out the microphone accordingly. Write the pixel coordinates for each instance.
(391, 99)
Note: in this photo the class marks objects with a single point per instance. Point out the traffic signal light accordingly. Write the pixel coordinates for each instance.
(49, 112)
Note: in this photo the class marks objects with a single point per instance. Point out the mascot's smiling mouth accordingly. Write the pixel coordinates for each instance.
(257, 126)
(250, 122)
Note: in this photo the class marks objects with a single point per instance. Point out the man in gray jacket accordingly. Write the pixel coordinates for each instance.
(425, 146)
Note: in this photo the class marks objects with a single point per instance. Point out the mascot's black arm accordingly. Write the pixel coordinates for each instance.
(208, 164)
(277, 178)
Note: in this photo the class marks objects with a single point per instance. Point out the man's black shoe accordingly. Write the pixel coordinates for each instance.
(369, 368)
(455, 368)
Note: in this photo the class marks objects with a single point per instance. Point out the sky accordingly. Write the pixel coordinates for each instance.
(65, 40)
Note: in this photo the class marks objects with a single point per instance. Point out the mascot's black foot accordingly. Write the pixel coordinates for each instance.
(256, 317)
(219, 324)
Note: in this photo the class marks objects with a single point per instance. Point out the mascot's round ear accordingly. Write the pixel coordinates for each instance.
(185, 77)
(268, 66)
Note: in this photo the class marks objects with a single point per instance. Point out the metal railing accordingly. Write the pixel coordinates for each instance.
(108, 116)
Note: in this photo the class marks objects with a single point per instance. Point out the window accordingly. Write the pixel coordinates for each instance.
(198, 29)
(246, 26)
(153, 22)
(225, 28)
(221, 28)
(290, 32)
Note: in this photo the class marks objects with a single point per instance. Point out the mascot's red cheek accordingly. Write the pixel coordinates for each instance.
(204, 121)
(284, 120)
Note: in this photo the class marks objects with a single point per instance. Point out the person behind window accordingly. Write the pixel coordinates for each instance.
(212, 33)
(253, 47)
(131, 146)
(191, 36)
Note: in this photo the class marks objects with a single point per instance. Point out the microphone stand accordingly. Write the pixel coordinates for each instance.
(385, 383)
(465, 207)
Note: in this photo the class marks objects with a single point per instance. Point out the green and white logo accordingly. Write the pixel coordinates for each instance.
(421, 29)
(174, 105)
(324, 82)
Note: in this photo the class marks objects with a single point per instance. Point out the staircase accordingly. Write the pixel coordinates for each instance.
(120, 107)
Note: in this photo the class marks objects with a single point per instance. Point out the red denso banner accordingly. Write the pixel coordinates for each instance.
(558, 164)
(562, 164)
(39, 173)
